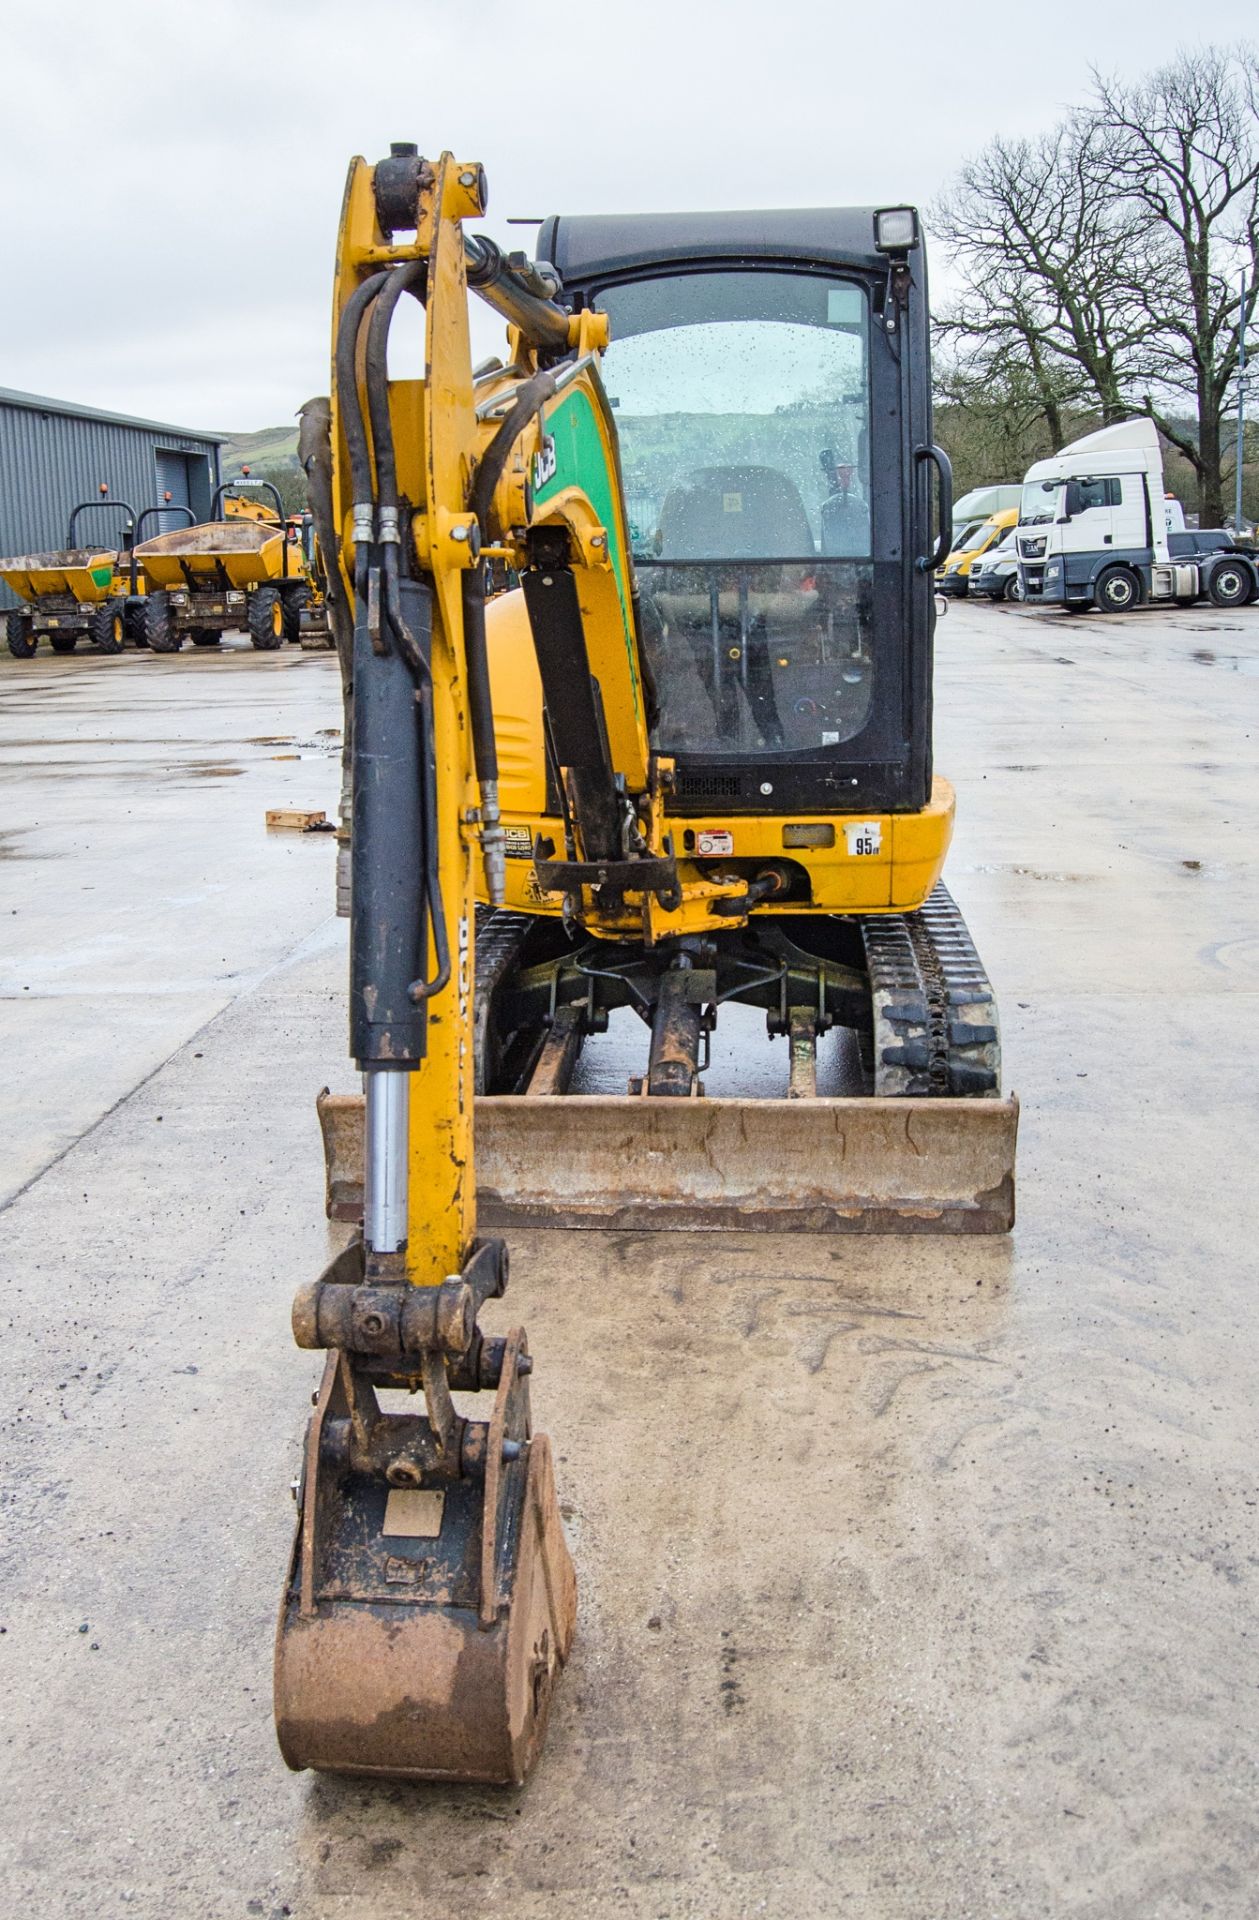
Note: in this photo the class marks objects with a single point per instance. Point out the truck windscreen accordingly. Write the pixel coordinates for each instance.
(1040, 503)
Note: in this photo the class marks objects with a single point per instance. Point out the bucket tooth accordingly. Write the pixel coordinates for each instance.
(427, 1613)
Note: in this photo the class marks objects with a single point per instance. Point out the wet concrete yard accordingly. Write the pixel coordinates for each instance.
(917, 1578)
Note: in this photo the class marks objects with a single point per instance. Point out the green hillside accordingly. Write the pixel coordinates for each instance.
(270, 446)
(270, 454)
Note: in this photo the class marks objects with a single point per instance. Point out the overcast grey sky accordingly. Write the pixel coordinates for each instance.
(171, 170)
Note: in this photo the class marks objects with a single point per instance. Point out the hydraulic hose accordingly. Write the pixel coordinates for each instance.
(347, 393)
(398, 281)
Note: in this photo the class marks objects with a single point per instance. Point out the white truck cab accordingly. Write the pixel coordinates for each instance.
(1097, 529)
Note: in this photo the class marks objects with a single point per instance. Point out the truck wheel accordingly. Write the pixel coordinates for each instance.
(1117, 591)
(1010, 591)
(1230, 584)
(156, 625)
(294, 604)
(206, 637)
(105, 627)
(133, 620)
(17, 627)
(264, 616)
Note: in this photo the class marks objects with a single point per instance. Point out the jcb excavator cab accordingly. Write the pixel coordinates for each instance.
(770, 382)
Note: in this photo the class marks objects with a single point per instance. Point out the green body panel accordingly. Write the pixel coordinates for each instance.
(581, 460)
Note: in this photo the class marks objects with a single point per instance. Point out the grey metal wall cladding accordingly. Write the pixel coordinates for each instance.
(50, 460)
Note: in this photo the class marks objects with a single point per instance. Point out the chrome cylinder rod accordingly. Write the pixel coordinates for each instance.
(385, 1189)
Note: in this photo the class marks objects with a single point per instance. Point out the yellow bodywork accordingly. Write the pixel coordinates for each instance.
(236, 506)
(993, 529)
(896, 879)
(88, 574)
(250, 552)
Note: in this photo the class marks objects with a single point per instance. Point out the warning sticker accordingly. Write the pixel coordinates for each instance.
(864, 837)
(711, 844)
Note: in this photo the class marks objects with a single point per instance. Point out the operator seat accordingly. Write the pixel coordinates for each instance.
(730, 515)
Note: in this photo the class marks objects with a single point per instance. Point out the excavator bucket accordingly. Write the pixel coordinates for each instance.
(422, 1627)
(876, 1165)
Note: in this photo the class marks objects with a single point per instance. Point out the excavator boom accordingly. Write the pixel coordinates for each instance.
(635, 633)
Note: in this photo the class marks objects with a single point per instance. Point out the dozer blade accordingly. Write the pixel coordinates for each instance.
(806, 1165)
(422, 1628)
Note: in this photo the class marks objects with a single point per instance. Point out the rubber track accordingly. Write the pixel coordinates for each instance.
(499, 937)
(935, 1018)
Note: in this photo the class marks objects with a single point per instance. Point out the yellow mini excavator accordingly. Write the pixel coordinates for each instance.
(635, 634)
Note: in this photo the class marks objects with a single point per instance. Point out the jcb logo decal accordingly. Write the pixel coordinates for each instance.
(544, 464)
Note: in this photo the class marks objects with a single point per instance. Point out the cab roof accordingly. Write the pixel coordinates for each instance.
(590, 247)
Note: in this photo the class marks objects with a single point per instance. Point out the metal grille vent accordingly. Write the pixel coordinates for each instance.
(708, 786)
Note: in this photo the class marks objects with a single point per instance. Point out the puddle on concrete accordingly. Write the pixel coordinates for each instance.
(271, 740)
(1032, 873)
(1232, 956)
(1230, 662)
(208, 773)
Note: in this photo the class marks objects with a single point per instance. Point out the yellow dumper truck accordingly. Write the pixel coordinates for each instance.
(74, 593)
(230, 571)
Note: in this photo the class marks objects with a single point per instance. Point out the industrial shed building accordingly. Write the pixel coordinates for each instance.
(54, 454)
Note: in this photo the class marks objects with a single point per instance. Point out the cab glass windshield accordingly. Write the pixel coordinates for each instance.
(742, 408)
(1040, 503)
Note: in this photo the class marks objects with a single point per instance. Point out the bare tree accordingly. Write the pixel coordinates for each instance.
(1057, 275)
(994, 418)
(1178, 159)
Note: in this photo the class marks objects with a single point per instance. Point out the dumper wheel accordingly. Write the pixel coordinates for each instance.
(157, 627)
(63, 642)
(294, 605)
(206, 637)
(18, 633)
(105, 627)
(264, 616)
(133, 620)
